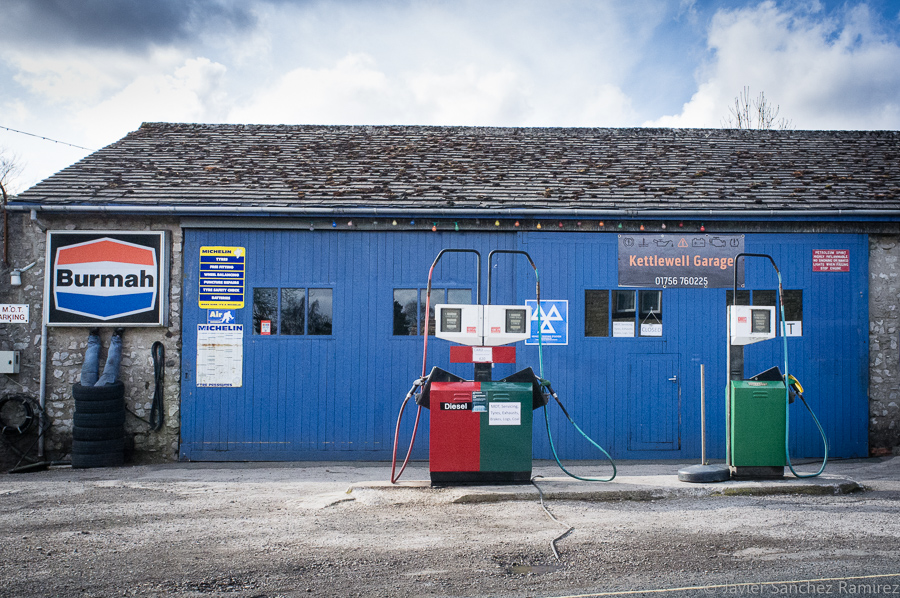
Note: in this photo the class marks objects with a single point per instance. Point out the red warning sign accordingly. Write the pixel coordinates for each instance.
(831, 260)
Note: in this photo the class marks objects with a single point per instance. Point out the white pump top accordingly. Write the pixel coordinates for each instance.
(748, 324)
(483, 325)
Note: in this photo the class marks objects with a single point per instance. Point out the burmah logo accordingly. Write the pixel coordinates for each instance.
(105, 279)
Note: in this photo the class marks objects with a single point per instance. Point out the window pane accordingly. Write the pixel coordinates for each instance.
(405, 312)
(768, 298)
(293, 310)
(437, 296)
(650, 313)
(793, 305)
(459, 296)
(265, 307)
(743, 297)
(623, 306)
(320, 311)
(596, 313)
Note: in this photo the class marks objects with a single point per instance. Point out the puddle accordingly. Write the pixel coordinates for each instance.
(533, 569)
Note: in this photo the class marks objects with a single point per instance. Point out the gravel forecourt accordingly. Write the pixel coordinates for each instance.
(268, 530)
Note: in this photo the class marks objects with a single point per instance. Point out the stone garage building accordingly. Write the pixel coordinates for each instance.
(334, 229)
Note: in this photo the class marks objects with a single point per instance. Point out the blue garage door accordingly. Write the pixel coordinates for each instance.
(639, 396)
(310, 392)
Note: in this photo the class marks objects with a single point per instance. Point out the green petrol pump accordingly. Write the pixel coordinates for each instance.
(757, 409)
(754, 408)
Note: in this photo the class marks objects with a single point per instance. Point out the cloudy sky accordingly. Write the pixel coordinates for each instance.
(90, 71)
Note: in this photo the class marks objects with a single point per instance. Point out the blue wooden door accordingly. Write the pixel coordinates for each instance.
(322, 396)
(654, 406)
(604, 382)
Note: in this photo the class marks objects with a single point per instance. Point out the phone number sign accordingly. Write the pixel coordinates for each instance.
(683, 261)
(222, 277)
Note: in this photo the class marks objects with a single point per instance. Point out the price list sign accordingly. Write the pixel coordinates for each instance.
(222, 277)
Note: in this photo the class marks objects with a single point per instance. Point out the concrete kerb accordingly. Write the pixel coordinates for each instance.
(630, 488)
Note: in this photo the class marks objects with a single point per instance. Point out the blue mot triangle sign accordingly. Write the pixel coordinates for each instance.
(554, 322)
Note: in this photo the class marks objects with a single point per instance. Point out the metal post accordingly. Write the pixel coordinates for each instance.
(703, 415)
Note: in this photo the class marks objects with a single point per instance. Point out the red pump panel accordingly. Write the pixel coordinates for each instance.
(462, 354)
(455, 437)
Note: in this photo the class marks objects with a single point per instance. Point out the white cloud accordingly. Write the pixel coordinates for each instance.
(84, 76)
(823, 73)
(193, 92)
(468, 96)
(609, 106)
(353, 91)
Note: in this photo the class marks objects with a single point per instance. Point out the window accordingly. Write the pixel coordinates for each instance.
(300, 311)
(743, 297)
(632, 313)
(265, 309)
(650, 314)
(596, 312)
(409, 308)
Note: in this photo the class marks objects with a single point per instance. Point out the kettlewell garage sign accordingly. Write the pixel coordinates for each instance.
(112, 278)
(680, 261)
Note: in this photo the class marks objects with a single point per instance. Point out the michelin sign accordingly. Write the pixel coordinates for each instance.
(112, 278)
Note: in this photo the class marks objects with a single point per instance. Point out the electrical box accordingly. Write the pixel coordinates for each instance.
(483, 325)
(750, 324)
(9, 362)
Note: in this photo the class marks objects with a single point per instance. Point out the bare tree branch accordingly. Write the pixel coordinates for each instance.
(757, 114)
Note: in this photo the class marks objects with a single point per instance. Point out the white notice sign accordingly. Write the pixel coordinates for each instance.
(793, 328)
(14, 313)
(220, 355)
(505, 414)
(623, 329)
(651, 329)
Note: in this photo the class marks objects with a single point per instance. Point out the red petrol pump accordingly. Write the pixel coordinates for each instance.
(481, 429)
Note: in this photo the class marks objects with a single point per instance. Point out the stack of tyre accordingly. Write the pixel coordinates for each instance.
(98, 439)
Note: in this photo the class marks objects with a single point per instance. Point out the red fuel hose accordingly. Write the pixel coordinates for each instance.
(421, 381)
(412, 440)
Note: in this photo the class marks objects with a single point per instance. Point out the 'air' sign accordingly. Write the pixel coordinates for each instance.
(107, 277)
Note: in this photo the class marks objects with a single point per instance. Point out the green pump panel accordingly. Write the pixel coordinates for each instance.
(757, 424)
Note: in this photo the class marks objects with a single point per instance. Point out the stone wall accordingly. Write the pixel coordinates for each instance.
(884, 344)
(66, 345)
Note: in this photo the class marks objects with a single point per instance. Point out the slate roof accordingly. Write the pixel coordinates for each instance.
(477, 169)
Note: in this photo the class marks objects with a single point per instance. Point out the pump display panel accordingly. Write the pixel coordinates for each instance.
(750, 324)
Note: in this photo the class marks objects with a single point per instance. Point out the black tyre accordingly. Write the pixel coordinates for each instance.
(116, 390)
(99, 420)
(111, 406)
(98, 447)
(16, 414)
(111, 433)
(104, 460)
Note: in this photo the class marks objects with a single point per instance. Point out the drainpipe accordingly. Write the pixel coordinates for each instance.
(42, 392)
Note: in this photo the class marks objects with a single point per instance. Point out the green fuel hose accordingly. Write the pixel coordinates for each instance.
(787, 397)
(553, 394)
